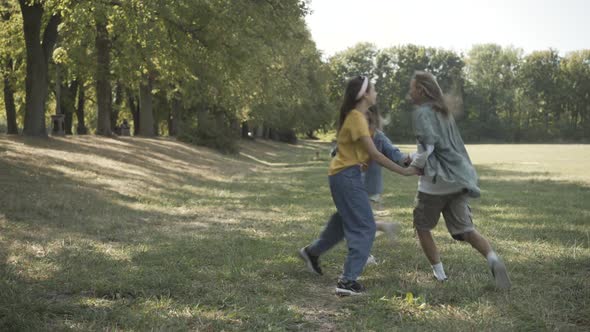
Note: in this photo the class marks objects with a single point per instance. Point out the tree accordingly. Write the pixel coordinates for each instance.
(575, 69)
(540, 79)
(490, 86)
(38, 52)
(394, 69)
(354, 61)
(102, 76)
(11, 55)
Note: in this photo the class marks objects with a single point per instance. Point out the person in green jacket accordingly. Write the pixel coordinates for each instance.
(448, 181)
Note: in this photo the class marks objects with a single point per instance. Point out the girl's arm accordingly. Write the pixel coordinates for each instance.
(388, 149)
(384, 161)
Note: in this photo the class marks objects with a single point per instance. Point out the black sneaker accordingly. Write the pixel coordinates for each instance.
(346, 288)
(312, 262)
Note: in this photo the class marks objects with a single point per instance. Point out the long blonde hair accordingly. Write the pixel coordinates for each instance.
(432, 92)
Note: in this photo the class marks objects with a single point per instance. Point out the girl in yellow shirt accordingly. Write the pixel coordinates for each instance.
(353, 219)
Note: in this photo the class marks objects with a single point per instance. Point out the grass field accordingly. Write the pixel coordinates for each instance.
(151, 234)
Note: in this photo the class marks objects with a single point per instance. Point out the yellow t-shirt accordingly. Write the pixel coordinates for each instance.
(350, 148)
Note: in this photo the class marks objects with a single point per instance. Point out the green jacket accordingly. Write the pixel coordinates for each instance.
(449, 160)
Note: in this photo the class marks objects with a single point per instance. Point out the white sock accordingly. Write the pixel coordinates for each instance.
(492, 257)
(439, 271)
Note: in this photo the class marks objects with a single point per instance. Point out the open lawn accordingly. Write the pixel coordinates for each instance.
(153, 234)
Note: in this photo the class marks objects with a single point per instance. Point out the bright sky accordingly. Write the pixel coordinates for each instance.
(451, 24)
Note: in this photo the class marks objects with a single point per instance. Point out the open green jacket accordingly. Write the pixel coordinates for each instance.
(449, 160)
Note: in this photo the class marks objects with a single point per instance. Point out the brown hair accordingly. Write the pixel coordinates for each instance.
(432, 92)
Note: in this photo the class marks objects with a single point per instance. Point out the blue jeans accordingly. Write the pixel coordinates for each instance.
(373, 177)
(353, 221)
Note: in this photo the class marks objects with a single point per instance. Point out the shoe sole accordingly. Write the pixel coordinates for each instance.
(439, 280)
(347, 292)
(307, 261)
(501, 275)
(381, 213)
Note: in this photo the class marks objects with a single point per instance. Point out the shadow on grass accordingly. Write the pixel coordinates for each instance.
(539, 226)
(84, 255)
(559, 210)
(107, 259)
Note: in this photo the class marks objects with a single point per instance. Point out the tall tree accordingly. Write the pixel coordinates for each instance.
(490, 76)
(575, 69)
(146, 113)
(540, 78)
(103, 80)
(11, 55)
(39, 49)
(356, 60)
(395, 67)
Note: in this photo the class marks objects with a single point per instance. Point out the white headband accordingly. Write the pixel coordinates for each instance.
(363, 88)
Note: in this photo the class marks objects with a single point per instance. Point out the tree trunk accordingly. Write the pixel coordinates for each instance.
(134, 109)
(81, 127)
(68, 104)
(274, 134)
(173, 117)
(245, 130)
(58, 84)
(183, 117)
(38, 54)
(146, 118)
(117, 102)
(203, 122)
(158, 102)
(266, 132)
(9, 100)
(68, 122)
(235, 127)
(584, 121)
(103, 83)
(575, 118)
(220, 123)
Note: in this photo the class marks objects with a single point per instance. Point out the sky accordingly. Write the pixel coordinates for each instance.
(451, 24)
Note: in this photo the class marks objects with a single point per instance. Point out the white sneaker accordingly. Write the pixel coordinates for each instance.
(371, 261)
(500, 275)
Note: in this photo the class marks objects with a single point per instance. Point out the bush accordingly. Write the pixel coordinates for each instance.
(213, 135)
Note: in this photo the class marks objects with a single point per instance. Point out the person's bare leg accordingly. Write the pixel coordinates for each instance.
(428, 246)
(431, 252)
(478, 242)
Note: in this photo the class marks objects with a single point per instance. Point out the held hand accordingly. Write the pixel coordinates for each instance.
(420, 171)
(364, 167)
(409, 171)
(407, 160)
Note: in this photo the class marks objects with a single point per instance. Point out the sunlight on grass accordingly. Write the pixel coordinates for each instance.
(153, 234)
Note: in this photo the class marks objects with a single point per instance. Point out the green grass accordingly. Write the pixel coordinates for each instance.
(152, 234)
